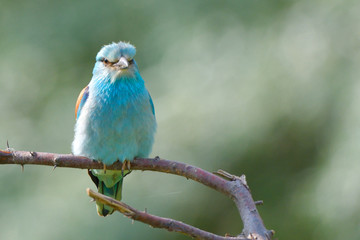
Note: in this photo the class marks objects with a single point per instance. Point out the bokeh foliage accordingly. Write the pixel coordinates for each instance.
(266, 88)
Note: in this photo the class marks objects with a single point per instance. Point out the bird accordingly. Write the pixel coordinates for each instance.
(115, 119)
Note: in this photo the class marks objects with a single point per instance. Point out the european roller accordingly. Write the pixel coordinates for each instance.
(115, 118)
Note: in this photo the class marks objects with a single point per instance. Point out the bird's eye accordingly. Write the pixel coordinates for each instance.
(105, 61)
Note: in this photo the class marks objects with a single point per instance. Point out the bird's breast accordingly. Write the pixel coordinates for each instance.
(115, 125)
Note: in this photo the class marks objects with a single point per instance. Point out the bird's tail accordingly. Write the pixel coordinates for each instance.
(113, 192)
(109, 185)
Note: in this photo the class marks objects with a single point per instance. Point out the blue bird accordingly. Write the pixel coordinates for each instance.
(115, 118)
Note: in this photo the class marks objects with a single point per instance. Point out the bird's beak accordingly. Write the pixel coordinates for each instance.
(123, 63)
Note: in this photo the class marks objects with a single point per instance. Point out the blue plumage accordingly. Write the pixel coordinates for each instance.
(115, 117)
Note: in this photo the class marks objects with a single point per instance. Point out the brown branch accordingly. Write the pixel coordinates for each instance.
(234, 187)
(157, 222)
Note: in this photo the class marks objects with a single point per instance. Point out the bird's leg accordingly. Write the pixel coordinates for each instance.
(125, 166)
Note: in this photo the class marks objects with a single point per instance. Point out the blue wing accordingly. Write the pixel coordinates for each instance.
(83, 96)
(152, 104)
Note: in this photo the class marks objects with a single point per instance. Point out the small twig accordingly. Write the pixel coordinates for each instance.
(259, 202)
(157, 222)
(225, 175)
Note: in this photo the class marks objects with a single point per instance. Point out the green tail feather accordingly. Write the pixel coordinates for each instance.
(113, 192)
(108, 183)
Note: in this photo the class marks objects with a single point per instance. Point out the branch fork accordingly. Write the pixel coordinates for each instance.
(233, 186)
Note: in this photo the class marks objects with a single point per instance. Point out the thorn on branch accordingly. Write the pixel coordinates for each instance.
(22, 167)
(8, 149)
(270, 233)
(259, 202)
(243, 180)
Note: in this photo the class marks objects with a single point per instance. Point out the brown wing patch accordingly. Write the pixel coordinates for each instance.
(81, 100)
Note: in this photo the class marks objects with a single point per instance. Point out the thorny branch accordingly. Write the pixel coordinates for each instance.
(234, 187)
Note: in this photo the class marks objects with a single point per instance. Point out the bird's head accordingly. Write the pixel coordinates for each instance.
(115, 61)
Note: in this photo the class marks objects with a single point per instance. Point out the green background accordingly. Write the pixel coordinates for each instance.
(269, 89)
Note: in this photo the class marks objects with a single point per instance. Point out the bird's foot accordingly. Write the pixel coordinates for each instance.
(126, 165)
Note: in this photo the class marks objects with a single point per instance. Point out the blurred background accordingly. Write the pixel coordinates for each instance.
(269, 89)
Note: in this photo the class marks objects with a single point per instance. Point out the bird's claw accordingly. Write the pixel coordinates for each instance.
(126, 165)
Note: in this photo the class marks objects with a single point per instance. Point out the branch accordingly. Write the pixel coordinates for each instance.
(234, 187)
(155, 221)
